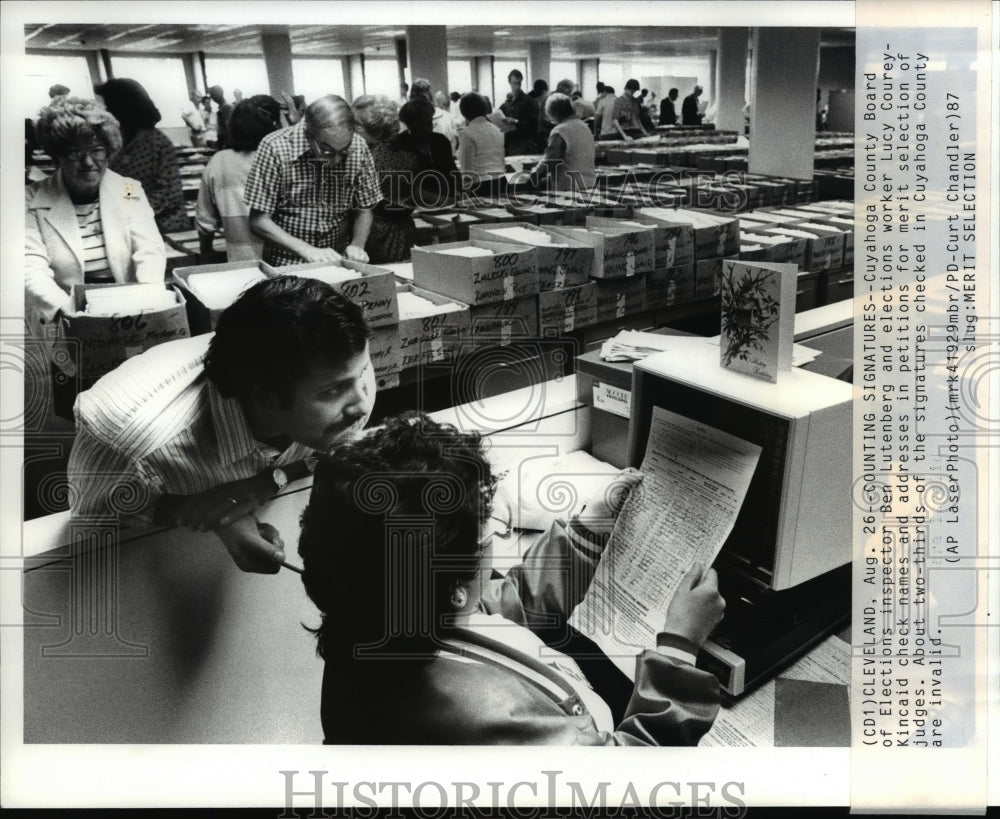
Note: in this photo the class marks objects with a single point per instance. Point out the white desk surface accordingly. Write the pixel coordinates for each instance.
(159, 638)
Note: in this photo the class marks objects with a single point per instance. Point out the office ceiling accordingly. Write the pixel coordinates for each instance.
(567, 42)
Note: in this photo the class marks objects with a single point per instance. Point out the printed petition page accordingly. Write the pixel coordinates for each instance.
(680, 515)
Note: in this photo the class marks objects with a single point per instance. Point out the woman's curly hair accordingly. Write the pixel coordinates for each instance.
(71, 122)
(393, 521)
(378, 116)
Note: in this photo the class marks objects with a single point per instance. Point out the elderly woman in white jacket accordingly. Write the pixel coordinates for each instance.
(84, 224)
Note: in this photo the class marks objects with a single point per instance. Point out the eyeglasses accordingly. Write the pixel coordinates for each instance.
(326, 152)
(500, 524)
(98, 153)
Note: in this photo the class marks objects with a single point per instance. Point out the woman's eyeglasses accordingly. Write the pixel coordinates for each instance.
(500, 524)
(98, 153)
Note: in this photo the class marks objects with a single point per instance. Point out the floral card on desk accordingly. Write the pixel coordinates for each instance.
(758, 317)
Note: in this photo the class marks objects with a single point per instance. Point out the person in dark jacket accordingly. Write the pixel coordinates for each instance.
(668, 114)
(689, 108)
(423, 645)
(521, 139)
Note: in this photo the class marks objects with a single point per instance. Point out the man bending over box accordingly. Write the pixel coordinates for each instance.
(201, 432)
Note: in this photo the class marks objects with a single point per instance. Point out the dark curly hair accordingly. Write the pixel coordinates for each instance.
(276, 331)
(393, 522)
(253, 119)
(128, 102)
(473, 105)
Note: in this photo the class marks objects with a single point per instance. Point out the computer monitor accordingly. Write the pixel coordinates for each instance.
(795, 523)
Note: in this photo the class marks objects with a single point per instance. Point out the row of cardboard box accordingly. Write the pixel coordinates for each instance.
(624, 191)
(398, 343)
(682, 259)
(829, 152)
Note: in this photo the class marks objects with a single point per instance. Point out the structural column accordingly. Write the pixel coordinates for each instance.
(539, 65)
(782, 114)
(588, 78)
(482, 77)
(277, 48)
(354, 76)
(731, 75)
(427, 53)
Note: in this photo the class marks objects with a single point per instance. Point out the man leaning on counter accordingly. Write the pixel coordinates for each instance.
(200, 432)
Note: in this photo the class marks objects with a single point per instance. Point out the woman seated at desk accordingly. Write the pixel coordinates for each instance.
(423, 646)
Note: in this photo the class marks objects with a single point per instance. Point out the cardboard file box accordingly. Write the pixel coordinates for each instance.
(372, 288)
(425, 339)
(557, 267)
(537, 214)
(458, 222)
(714, 235)
(771, 193)
(668, 286)
(202, 317)
(666, 238)
(507, 274)
(753, 252)
(806, 291)
(618, 253)
(707, 278)
(684, 232)
(104, 342)
(826, 251)
(846, 224)
(795, 215)
(751, 225)
(387, 359)
(574, 211)
(840, 286)
(772, 219)
(490, 215)
(775, 248)
(618, 298)
(562, 311)
(500, 323)
(730, 198)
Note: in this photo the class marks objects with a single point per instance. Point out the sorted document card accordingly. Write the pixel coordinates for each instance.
(217, 290)
(129, 299)
(758, 317)
(695, 480)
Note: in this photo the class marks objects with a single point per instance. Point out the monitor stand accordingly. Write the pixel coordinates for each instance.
(763, 630)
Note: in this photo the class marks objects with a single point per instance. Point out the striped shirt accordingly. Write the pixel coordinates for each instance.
(156, 425)
(305, 196)
(96, 269)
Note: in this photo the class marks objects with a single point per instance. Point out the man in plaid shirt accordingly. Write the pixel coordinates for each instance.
(305, 183)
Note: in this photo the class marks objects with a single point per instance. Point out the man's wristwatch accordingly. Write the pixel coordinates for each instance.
(282, 475)
(280, 478)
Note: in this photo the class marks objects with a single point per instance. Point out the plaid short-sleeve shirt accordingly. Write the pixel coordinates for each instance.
(305, 196)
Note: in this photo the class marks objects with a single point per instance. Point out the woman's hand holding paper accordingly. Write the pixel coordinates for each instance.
(697, 607)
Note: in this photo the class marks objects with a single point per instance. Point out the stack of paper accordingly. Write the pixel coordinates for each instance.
(526, 236)
(402, 270)
(413, 306)
(633, 345)
(128, 299)
(330, 275)
(220, 289)
(466, 251)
